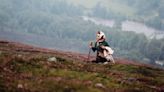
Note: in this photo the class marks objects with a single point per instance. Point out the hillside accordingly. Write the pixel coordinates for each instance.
(143, 11)
(114, 6)
(24, 68)
(58, 24)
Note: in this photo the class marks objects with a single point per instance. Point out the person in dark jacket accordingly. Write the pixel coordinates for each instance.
(104, 52)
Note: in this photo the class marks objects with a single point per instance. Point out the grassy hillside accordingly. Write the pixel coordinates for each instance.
(24, 68)
(57, 24)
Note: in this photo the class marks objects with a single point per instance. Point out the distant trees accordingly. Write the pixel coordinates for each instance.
(151, 12)
(161, 9)
(100, 11)
(61, 7)
(135, 46)
(60, 22)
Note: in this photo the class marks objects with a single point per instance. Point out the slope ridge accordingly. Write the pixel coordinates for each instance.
(27, 68)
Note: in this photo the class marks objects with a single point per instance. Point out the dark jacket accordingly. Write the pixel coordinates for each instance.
(98, 45)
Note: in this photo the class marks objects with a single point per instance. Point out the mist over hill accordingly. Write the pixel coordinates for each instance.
(149, 12)
(58, 24)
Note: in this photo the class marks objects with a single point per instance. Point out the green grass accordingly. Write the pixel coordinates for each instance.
(36, 73)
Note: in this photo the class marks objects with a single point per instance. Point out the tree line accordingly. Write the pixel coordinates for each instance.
(61, 21)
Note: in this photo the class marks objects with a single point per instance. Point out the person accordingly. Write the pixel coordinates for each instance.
(104, 52)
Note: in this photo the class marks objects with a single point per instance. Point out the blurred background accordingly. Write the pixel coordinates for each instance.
(133, 28)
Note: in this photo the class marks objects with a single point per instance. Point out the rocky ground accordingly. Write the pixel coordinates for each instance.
(26, 68)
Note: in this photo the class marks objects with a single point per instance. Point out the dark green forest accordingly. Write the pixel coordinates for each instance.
(150, 12)
(61, 26)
